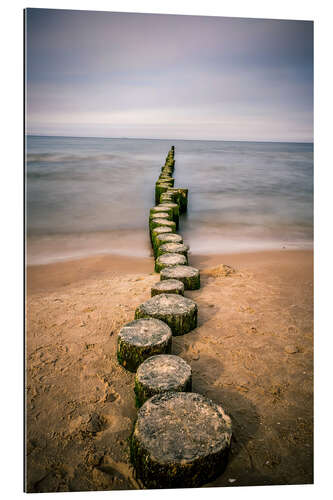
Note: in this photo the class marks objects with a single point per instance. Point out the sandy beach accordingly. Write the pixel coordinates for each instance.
(252, 352)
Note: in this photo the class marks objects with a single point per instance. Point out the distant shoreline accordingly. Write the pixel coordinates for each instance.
(168, 139)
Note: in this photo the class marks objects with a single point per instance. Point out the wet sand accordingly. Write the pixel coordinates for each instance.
(252, 352)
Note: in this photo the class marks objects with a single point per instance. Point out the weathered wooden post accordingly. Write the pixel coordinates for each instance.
(168, 286)
(173, 248)
(180, 313)
(140, 339)
(180, 440)
(188, 275)
(169, 260)
(163, 373)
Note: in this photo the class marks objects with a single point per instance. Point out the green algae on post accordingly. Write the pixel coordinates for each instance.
(167, 171)
(162, 238)
(159, 189)
(166, 179)
(160, 215)
(161, 230)
(162, 373)
(161, 209)
(168, 260)
(180, 197)
(164, 183)
(141, 339)
(157, 222)
(180, 440)
(167, 197)
(172, 247)
(175, 210)
(180, 313)
(170, 162)
(155, 232)
(168, 238)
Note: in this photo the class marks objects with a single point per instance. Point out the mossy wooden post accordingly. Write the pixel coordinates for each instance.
(167, 198)
(168, 260)
(163, 183)
(166, 174)
(160, 215)
(170, 162)
(175, 210)
(159, 374)
(188, 275)
(162, 218)
(155, 232)
(162, 230)
(180, 197)
(157, 222)
(166, 179)
(180, 313)
(180, 440)
(163, 238)
(184, 199)
(167, 171)
(168, 286)
(160, 187)
(140, 339)
(173, 248)
(175, 195)
(161, 209)
(168, 238)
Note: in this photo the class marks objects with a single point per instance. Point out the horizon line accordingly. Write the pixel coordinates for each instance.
(167, 139)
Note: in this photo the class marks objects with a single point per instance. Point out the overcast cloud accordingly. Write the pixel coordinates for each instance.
(162, 76)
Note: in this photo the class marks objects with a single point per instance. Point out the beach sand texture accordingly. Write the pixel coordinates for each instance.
(252, 352)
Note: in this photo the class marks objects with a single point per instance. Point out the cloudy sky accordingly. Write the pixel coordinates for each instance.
(162, 76)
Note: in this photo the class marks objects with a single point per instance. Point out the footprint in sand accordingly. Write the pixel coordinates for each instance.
(193, 351)
(94, 423)
(110, 395)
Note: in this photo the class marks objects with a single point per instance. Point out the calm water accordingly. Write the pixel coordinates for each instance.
(90, 195)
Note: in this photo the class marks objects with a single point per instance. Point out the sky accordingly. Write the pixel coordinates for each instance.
(104, 74)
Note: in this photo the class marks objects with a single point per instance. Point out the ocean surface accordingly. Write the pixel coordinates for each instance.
(88, 196)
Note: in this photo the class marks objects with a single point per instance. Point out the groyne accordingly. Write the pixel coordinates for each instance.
(180, 438)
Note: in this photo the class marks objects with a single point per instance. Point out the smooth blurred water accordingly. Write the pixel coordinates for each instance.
(92, 195)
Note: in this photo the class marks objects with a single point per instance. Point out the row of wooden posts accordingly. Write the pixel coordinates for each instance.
(180, 438)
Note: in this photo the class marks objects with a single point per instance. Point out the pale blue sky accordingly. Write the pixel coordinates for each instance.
(164, 76)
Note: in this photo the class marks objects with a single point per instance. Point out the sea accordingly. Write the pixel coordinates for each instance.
(90, 196)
